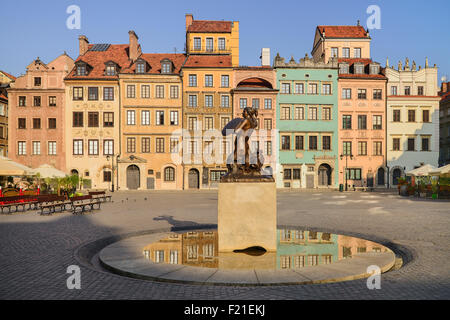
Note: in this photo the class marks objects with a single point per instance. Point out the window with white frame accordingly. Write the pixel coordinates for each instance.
(192, 100)
(312, 88)
(131, 117)
(145, 91)
(174, 92)
(36, 147)
(77, 147)
(357, 52)
(267, 103)
(21, 148)
(209, 101)
(160, 117)
(145, 117)
(131, 91)
(108, 147)
(345, 52)
(174, 145)
(173, 118)
(224, 101)
(159, 91)
(221, 42)
(208, 80)
(225, 81)
(243, 103)
(93, 147)
(299, 113)
(209, 123)
(312, 113)
(299, 88)
(52, 148)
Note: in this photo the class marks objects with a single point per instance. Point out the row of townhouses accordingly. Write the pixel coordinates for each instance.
(124, 119)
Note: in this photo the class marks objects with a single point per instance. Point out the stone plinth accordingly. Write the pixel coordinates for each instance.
(247, 215)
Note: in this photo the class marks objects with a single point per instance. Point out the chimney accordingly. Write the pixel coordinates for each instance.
(134, 49)
(189, 19)
(83, 44)
(265, 57)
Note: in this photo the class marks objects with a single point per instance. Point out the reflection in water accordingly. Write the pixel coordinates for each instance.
(295, 249)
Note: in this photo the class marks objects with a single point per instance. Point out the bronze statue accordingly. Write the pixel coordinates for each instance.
(246, 169)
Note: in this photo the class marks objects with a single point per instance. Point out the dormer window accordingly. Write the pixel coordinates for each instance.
(359, 68)
(166, 66)
(81, 70)
(140, 67)
(111, 68)
(343, 68)
(374, 69)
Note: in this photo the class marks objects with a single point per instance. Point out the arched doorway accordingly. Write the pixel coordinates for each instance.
(133, 177)
(324, 175)
(74, 171)
(380, 177)
(396, 173)
(193, 179)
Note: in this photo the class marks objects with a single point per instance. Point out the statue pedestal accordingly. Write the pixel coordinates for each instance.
(247, 215)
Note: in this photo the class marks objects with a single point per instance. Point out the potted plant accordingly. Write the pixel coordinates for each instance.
(402, 187)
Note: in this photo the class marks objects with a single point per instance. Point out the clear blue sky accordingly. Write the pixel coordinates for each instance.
(413, 29)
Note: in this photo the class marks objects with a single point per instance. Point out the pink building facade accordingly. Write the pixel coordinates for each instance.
(36, 114)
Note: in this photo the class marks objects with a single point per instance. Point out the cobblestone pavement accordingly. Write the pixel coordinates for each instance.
(35, 250)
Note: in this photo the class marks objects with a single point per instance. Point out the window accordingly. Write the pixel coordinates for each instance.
(110, 70)
(359, 68)
(377, 122)
(326, 89)
(396, 144)
(326, 143)
(346, 122)
(287, 174)
(81, 70)
(166, 67)
(92, 119)
(108, 119)
(145, 91)
(108, 147)
(268, 148)
(347, 148)
(36, 147)
(37, 81)
(362, 122)
(396, 115)
(77, 93)
(224, 101)
(299, 88)
(145, 117)
(411, 115)
(131, 117)
(209, 44)
(208, 80)
(173, 118)
(313, 259)
(285, 113)
(267, 103)
(140, 67)
(299, 261)
(343, 68)
(192, 80)
(169, 174)
(394, 90)
(353, 174)
(131, 145)
(346, 93)
(145, 145)
(106, 175)
(299, 143)
(77, 147)
(362, 148)
(286, 88)
(209, 123)
(425, 116)
(221, 43)
(208, 101)
(243, 103)
(407, 90)
(77, 119)
(160, 145)
(192, 123)
(22, 101)
(37, 101)
(22, 123)
(312, 113)
(197, 43)
(268, 124)
(420, 90)
(357, 53)
(326, 113)
(377, 148)
(108, 94)
(255, 103)
(334, 52)
(224, 121)
(374, 69)
(411, 144)
(296, 174)
(36, 123)
(52, 123)
(362, 94)
(159, 91)
(192, 100)
(174, 92)
(52, 148)
(299, 113)
(174, 145)
(312, 143)
(285, 142)
(425, 144)
(160, 117)
(225, 81)
(21, 148)
(312, 88)
(377, 94)
(92, 93)
(93, 147)
(345, 52)
(52, 101)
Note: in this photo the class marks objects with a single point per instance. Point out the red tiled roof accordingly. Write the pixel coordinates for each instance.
(154, 62)
(364, 61)
(208, 61)
(343, 31)
(259, 68)
(8, 75)
(254, 83)
(209, 26)
(117, 53)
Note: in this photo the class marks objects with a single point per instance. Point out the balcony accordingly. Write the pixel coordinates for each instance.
(196, 50)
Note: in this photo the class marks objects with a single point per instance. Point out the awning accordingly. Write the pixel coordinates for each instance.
(445, 170)
(47, 171)
(11, 168)
(422, 171)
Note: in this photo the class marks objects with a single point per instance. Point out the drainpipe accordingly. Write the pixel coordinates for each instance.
(120, 136)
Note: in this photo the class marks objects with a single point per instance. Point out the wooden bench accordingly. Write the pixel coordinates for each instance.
(100, 195)
(84, 203)
(17, 202)
(51, 202)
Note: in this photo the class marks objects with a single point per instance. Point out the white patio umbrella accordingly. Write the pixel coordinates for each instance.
(47, 171)
(11, 168)
(422, 171)
(441, 171)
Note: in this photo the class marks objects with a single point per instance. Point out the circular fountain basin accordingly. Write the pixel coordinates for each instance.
(302, 257)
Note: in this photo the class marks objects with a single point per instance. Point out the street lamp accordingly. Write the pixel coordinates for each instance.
(346, 155)
(112, 171)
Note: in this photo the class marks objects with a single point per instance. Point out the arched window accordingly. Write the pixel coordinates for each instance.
(169, 174)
